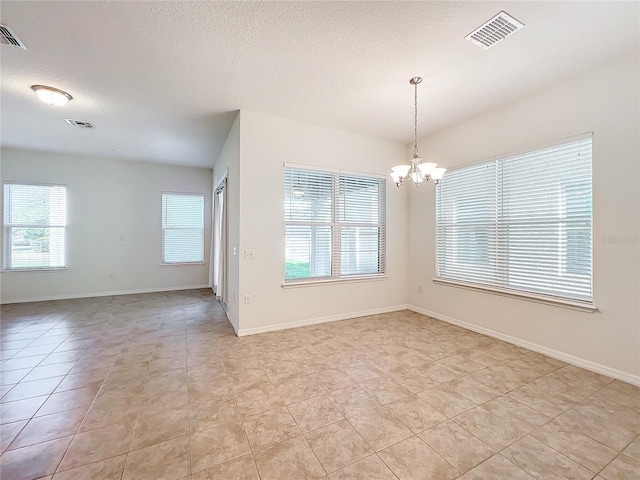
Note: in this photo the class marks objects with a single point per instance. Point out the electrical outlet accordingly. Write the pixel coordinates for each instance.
(247, 299)
(419, 288)
(249, 254)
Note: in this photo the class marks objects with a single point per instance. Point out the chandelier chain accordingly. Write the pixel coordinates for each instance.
(415, 120)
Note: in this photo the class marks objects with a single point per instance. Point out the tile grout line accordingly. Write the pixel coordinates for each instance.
(620, 453)
(85, 416)
(387, 375)
(186, 360)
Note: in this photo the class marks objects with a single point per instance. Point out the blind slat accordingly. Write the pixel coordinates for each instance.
(522, 222)
(182, 228)
(334, 224)
(35, 220)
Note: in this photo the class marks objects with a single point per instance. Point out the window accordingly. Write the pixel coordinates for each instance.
(522, 223)
(35, 224)
(182, 228)
(334, 225)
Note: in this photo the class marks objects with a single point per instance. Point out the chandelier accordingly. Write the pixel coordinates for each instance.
(418, 172)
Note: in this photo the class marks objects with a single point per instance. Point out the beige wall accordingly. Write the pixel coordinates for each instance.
(228, 163)
(266, 143)
(107, 199)
(110, 198)
(605, 101)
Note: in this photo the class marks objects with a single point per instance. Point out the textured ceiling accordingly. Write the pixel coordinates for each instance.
(161, 80)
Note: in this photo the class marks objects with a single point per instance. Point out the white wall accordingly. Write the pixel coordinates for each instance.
(107, 199)
(228, 163)
(605, 101)
(267, 142)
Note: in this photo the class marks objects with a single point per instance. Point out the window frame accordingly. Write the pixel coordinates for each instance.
(336, 226)
(163, 263)
(501, 226)
(7, 229)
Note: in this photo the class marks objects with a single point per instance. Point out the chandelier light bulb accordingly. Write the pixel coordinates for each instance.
(427, 168)
(401, 170)
(438, 173)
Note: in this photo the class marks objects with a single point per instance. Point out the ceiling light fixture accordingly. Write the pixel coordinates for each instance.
(418, 172)
(52, 96)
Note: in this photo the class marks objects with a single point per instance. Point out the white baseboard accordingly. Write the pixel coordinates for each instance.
(550, 352)
(314, 321)
(101, 294)
(233, 322)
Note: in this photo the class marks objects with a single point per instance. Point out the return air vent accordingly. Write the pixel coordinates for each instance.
(79, 123)
(494, 31)
(8, 37)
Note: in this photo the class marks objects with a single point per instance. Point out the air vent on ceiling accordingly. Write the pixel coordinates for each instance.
(495, 30)
(8, 37)
(79, 123)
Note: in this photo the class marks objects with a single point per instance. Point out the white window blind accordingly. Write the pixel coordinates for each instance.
(35, 223)
(334, 225)
(522, 223)
(182, 228)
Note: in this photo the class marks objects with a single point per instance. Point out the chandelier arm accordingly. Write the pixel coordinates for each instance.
(404, 181)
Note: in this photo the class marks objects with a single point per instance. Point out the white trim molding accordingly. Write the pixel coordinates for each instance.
(550, 352)
(332, 281)
(71, 296)
(532, 297)
(318, 320)
(233, 322)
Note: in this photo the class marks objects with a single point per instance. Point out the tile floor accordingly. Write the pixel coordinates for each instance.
(158, 387)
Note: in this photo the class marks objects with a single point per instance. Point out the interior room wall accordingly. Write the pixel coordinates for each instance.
(604, 101)
(266, 143)
(114, 233)
(228, 164)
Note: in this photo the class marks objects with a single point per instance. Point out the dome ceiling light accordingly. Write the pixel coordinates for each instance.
(52, 96)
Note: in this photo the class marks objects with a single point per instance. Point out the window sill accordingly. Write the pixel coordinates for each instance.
(34, 270)
(333, 281)
(185, 264)
(532, 297)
